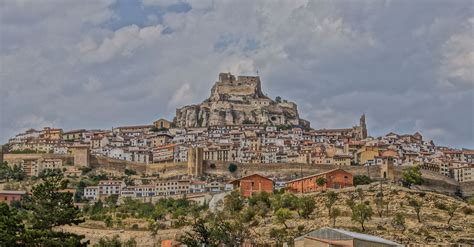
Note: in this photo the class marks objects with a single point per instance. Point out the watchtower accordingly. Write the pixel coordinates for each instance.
(195, 161)
(81, 155)
(387, 171)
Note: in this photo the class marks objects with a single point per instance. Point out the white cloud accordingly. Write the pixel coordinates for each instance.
(123, 42)
(458, 64)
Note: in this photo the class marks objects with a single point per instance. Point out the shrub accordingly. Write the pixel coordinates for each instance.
(232, 167)
(470, 200)
(467, 210)
(320, 181)
(398, 222)
(130, 172)
(440, 205)
(135, 226)
(246, 121)
(106, 241)
(361, 180)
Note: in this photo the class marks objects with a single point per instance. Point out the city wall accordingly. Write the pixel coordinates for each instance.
(115, 165)
(283, 170)
(432, 181)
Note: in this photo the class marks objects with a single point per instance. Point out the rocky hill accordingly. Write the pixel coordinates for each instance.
(238, 101)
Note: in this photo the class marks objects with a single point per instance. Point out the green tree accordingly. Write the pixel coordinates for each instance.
(108, 221)
(111, 201)
(11, 226)
(18, 173)
(260, 197)
(350, 202)
(130, 172)
(321, 181)
(279, 235)
(335, 212)
(50, 173)
(247, 121)
(229, 232)
(285, 200)
(417, 205)
(79, 191)
(361, 213)
(398, 222)
(234, 201)
(360, 194)
(248, 214)
(232, 167)
(201, 235)
(451, 210)
(51, 208)
(282, 215)
(306, 206)
(412, 176)
(5, 171)
(130, 243)
(331, 198)
(109, 242)
(380, 204)
(361, 180)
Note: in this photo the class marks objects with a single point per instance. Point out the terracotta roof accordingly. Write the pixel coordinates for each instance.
(255, 174)
(319, 174)
(135, 127)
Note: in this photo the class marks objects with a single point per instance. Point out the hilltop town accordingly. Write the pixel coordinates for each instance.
(236, 140)
(239, 124)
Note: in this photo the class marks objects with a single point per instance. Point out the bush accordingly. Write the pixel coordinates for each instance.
(130, 172)
(232, 167)
(246, 121)
(361, 180)
(106, 241)
(467, 210)
(135, 226)
(470, 200)
(440, 205)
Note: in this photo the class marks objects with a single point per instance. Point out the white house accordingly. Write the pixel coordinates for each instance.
(91, 192)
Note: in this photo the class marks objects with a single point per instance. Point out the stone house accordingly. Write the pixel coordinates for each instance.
(336, 179)
(252, 184)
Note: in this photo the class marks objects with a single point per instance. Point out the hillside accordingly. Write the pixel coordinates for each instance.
(433, 228)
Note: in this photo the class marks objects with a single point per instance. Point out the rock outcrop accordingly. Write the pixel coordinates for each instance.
(238, 101)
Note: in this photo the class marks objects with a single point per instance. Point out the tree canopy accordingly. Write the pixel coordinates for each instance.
(412, 176)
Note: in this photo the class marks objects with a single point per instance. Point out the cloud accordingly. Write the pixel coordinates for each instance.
(406, 64)
(457, 68)
(123, 42)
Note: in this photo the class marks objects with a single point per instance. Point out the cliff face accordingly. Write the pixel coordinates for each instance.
(238, 101)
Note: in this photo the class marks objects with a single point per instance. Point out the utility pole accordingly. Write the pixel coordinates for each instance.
(368, 168)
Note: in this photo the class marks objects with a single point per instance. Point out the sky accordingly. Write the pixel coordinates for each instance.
(95, 64)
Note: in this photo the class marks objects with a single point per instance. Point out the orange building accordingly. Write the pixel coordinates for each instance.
(252, 184)
(337, 178)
